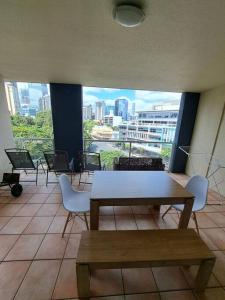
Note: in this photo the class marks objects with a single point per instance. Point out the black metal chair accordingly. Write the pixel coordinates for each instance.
(58, 162)
(89, 162)
(21, 160)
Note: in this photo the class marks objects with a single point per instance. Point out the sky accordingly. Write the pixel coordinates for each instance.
(144, 100)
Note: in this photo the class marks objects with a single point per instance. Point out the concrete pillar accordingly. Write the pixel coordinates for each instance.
(6, 136)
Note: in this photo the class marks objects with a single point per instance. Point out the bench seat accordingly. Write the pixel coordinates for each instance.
(139, 249)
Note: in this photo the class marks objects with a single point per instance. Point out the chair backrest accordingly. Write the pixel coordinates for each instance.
(198, 186)
(90, 161)
(20, 159)
(66, 187)
(57, 160)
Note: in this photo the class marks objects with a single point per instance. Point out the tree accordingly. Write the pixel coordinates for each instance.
(39, 127)
(166, 153)
(107, 157)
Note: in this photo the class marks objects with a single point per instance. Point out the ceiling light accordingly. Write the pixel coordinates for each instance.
(128, 15)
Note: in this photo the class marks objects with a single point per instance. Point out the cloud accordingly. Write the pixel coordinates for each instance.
(89, 99)
(157, 96)
(94, 90)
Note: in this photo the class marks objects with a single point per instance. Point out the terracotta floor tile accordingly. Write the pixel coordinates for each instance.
(16, 225)
(167, 223)
(147, 296)
(191, 273)
(46, 189)
(72, 246)
(39, 281)
(25, 247)
(125, 222)
(217, 218)
(4, 221)
(6, 243)
(204, 221)
(216, 236)
(48, 210)
(219, 268)
(52, 247)
(178, 295)
(54, 198)
(107, 223)
(138, 280)
(78, 225)
(9, 210)
(38, 225)
(31, 189)
(28, 210)
(212, 294)
(5, 199)
(146, 222)
(66, 285)
(38, 198)
(61, 211)
(141, 210)
(106, 282)
(122, 210)
(11, 276)
(23, 198)
(169, 278)
(106, 210)
(58, 224)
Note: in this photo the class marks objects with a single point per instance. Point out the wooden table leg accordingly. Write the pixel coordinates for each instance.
(186, 214)
(156, 207)
(83, 281)
(203, 275)
(94, 215)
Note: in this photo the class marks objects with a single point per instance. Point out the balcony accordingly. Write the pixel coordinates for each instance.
(38, 264)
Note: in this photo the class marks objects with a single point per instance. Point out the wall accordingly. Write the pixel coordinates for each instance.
(6, 137)
(209, 137)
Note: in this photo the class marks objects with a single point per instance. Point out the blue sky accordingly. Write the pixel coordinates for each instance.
(144, 100)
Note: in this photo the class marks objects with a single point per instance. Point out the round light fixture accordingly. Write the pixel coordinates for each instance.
(128, 15)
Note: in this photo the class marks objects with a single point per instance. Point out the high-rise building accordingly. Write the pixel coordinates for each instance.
(99, 110)
(87, 112)
(44, 103)
(133, 109)
(12, 96)
(121, 108)
(109, 109)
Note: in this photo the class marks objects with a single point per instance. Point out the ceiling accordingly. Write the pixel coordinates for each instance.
(179, 47)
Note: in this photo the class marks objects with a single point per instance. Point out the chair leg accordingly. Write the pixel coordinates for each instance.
(42, 166)
(196, 222)
(67, 220)
(80, 178)
(166, 212)
(86, 221)
(37, 174)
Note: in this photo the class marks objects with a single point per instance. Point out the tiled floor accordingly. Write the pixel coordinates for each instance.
(36, 263)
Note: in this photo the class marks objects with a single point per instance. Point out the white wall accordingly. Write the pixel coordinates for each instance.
(6, 137)
(209, 136)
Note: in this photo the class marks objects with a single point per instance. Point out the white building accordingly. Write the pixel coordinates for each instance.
(112, 120)
(12, 96)
(87, 112)
(45, 103)
(99, 110)
(155, 127)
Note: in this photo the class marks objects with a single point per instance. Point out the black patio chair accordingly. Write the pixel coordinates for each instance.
(21, 160)
(89, 162)
(58, 162)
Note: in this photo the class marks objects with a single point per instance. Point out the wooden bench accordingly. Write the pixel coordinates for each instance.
(141, 249)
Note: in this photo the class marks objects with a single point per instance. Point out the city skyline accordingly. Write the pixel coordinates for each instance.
(144, 100)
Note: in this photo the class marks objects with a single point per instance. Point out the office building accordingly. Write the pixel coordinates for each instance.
(121, 108)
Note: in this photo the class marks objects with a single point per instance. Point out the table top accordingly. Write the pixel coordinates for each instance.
(136, 185)
(141, 245)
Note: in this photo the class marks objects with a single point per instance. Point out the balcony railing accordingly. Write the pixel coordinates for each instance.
(109, 149)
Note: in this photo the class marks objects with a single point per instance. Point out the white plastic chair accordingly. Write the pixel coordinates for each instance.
(198, 186)
(75, 202)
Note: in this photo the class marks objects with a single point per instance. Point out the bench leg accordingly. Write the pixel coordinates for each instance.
(83, 281)
(204, 272)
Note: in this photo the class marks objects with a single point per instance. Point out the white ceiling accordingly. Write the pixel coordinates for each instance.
(179, 47)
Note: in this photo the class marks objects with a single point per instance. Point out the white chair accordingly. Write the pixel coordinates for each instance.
(198, 186)
(75, 202)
